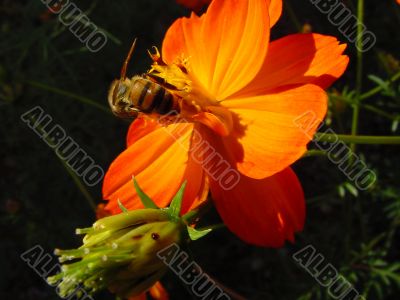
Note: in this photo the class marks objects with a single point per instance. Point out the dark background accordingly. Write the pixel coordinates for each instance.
(41, 205)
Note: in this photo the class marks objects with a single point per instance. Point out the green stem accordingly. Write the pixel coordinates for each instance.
(314, 152)
(68, 94)
(75, 178)
(359, 74)
(354, 125)
(381, 112)
(292, 16)
(368, 107)
(192, 215)
(80, 186)
(358, 139)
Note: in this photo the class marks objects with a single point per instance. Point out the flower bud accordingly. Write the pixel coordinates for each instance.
(119, 253)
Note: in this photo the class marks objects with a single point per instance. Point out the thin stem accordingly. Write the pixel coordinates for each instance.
(381, 112)
(68, 94)
(359, 74)
(292, 16)
(75, 178)
(80, 186)
(354, 125)
(314, 152)
(192, 215)
(368, 107)
(358, 139)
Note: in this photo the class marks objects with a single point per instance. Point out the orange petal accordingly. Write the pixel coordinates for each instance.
(158, 292)
(300, 58)
(160, 161)
(142, 126)
(275, 11)
(174, 44)
(101, 211)
(218, 118)
(226, 46)
(263, 212)
(266, 138)
(140, 297)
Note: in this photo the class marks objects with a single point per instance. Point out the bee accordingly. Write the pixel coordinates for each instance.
(139, 94)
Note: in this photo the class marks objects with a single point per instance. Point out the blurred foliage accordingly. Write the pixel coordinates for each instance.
(42, 63)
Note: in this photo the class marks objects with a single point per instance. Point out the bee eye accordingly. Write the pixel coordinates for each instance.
(121, 90)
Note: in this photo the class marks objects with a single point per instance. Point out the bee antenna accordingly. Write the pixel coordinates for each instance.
(128, 58)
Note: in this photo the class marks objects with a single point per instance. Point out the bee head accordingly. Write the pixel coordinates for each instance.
(119, 99)
(119, 93)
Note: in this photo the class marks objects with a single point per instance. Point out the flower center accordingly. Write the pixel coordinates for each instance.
(196, 103)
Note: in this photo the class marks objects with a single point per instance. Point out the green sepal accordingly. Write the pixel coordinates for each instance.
(122, 207)
(197, 234)
(174, 209)
(145, 199)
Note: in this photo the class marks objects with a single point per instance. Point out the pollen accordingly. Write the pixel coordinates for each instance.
(179, 80)
(195, 101)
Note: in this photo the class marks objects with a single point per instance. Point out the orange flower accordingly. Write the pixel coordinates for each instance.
(157, 292)
(241, 95)
(194, 5)
(101, 211)
(49, 13)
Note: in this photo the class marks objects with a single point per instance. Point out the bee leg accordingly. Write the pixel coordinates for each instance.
(198, 107)
(156, 56)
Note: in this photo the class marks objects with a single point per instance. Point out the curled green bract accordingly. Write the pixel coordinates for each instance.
(119, 253)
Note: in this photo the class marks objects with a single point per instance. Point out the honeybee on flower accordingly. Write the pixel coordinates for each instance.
(140, 94)
(240, 96)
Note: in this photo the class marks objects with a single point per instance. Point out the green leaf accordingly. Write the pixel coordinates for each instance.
(384, 85)
(122, 207)
(341, 191)
(146, 200)
(174, 209)
(395, 125)
(379, 81)
(197, 234)
(351, 188)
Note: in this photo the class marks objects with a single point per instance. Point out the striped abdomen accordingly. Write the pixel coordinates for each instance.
(150, 97)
